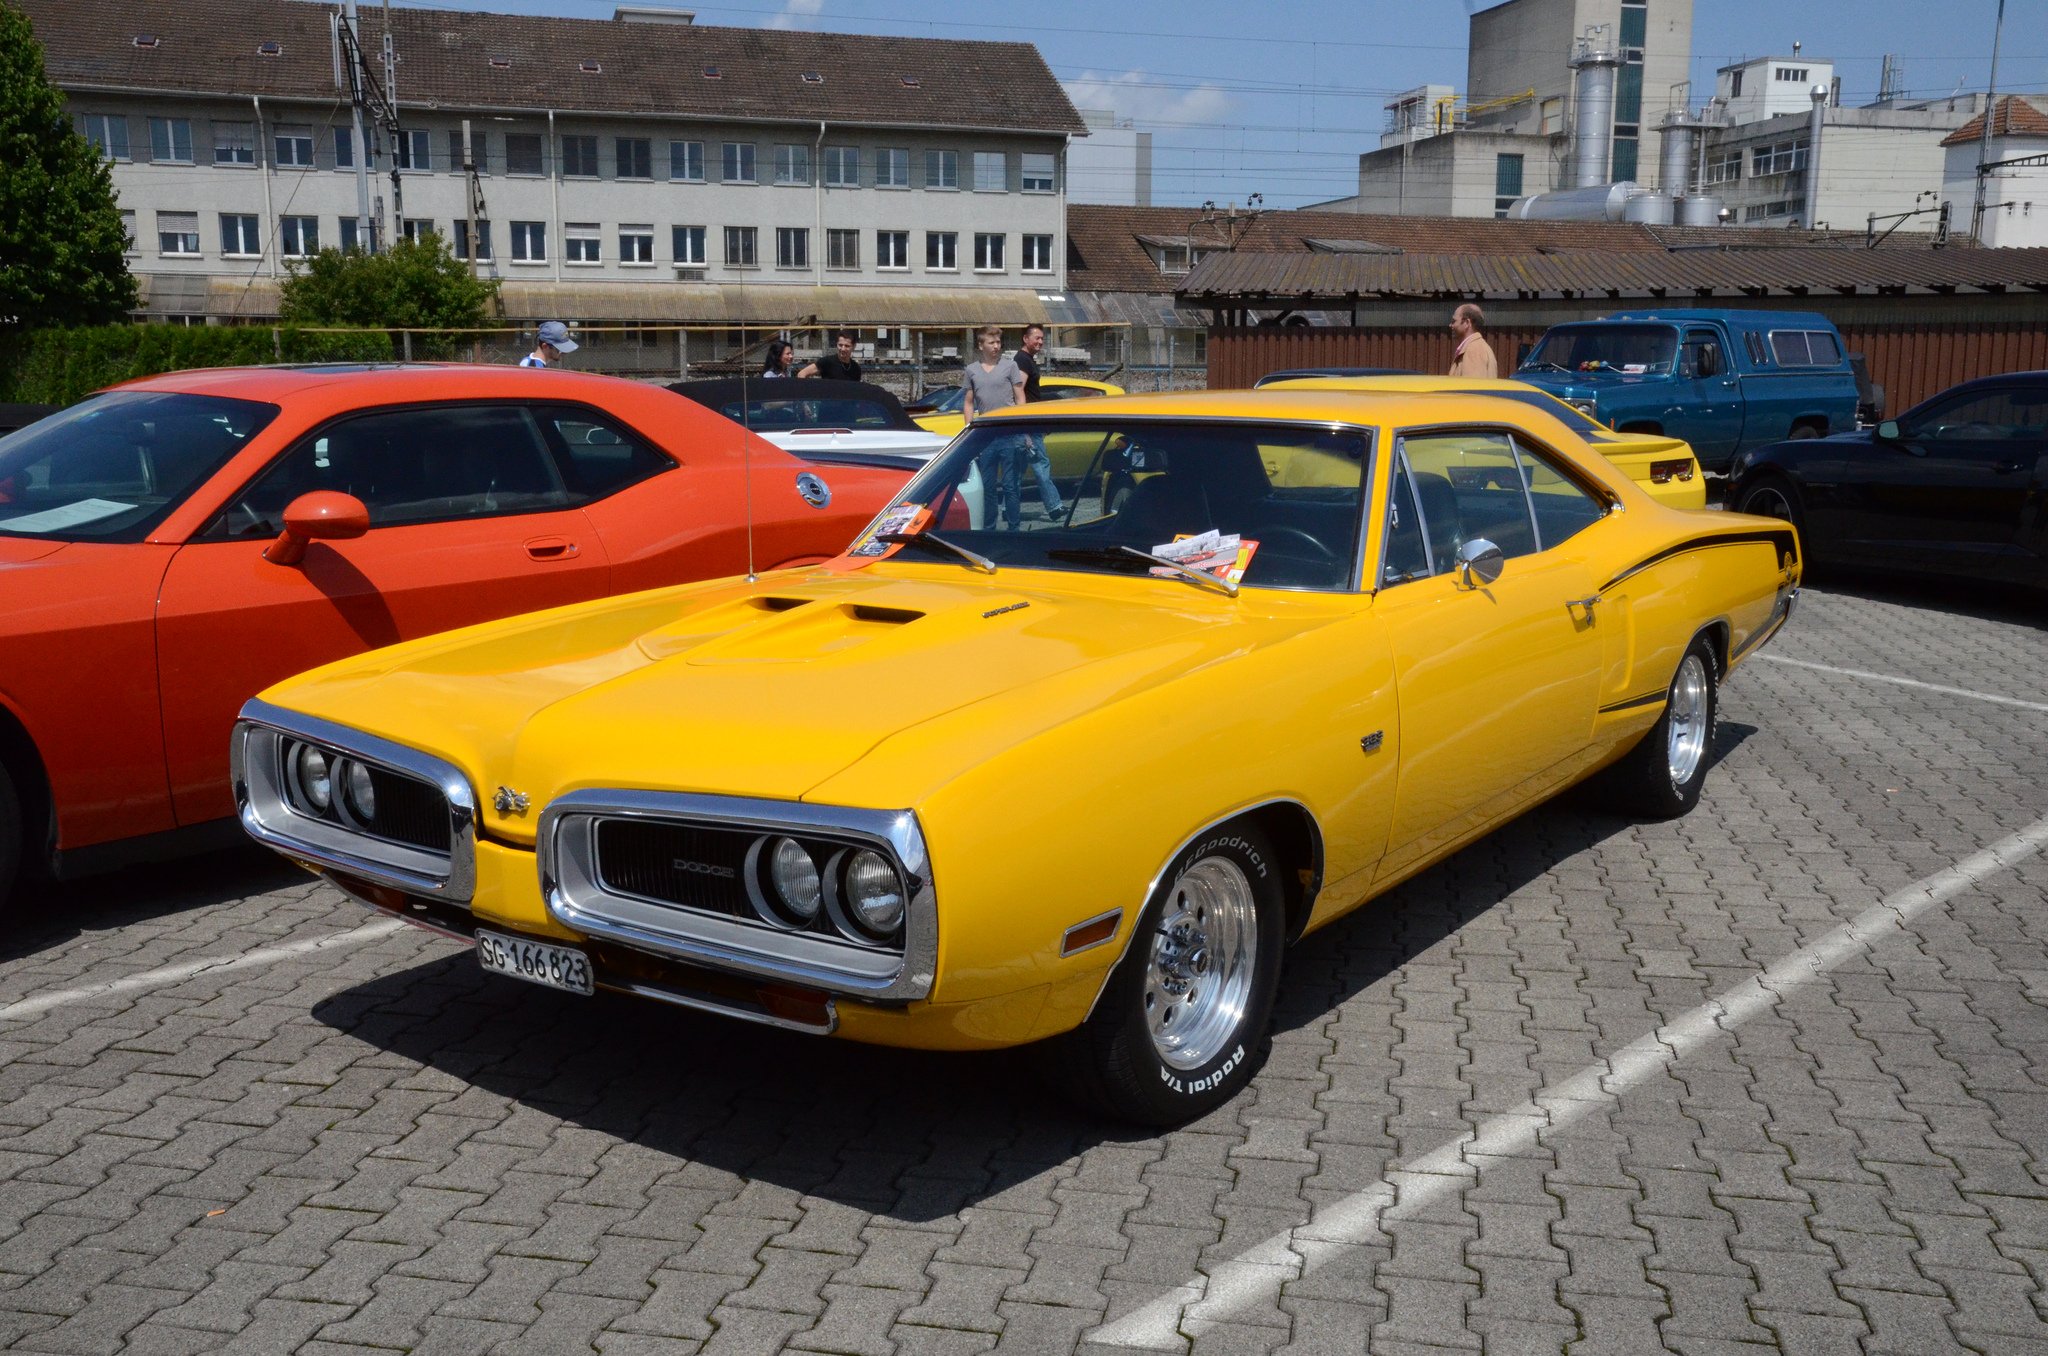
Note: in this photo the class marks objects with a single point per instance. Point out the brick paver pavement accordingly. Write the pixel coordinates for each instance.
(371, 1147)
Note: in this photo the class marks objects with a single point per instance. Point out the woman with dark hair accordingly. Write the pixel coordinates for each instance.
(780, 355)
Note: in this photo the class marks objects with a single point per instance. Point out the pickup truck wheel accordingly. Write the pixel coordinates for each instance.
(1182, 1023)
(1662, 776)
(1772, 496)
(11, 835)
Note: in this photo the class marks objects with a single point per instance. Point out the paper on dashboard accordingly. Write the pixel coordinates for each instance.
(1213, 552)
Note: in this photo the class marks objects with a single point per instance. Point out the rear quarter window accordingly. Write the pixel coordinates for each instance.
(1805, 348)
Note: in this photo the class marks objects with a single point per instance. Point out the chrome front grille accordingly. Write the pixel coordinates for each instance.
(690, 866)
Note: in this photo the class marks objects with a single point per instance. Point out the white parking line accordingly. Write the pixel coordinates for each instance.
(1907, 682)
(171, 974)
(1257, 1276)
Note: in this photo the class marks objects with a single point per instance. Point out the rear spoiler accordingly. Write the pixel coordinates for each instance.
(894, 461)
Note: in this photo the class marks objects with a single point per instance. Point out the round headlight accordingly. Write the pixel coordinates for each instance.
(314, 782)
(796, 878)
(874, 892)
(362, 792)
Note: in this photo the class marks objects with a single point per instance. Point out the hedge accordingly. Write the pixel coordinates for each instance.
(57, 367)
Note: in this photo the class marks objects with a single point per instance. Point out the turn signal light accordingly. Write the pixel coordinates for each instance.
(1663, 472)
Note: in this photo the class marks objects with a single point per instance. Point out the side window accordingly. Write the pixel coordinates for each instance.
(597, 457)
(1822, 349)
(1406, 556)
(410, 466)
(1563, 509)
(1987, 416)
(1469, 486)
(1703, 354)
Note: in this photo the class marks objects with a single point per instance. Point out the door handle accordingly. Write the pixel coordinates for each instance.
(2006, 468)
(551, 548)
(1572, 605)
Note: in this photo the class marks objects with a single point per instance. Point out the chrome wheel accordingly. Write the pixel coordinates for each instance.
(1198, 978)
(1686, 720)
(1768, 501)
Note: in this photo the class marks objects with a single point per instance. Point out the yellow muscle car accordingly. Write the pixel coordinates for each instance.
(1663, 466)
(1077, 781)
(941, 411)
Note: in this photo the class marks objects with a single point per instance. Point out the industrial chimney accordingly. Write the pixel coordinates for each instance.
(1593, 130)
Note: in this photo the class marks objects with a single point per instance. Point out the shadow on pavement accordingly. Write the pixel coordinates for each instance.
(902, 1134)
(48, 913)
(2009, 604)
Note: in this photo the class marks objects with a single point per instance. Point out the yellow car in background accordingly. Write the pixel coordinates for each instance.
(1665, 468)
(940, 410)
(1080, 779)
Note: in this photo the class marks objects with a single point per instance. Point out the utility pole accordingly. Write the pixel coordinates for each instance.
(348, 53)
(391, 120)
(1984, 141)
(469, 180)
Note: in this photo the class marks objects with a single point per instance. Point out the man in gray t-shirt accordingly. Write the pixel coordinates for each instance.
(993, 382)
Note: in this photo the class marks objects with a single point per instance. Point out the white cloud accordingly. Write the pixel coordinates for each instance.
(1150, 99)
(794, 11)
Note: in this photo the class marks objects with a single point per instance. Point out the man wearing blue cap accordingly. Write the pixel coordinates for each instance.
(555, 344)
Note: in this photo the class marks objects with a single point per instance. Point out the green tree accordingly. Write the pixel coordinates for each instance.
(62, 248)
(413, 285)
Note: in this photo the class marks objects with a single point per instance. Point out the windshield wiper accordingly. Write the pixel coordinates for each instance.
(979, 562)
(1535, 363)
(1113, 555)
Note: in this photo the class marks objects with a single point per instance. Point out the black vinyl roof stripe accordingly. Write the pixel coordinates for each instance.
(1784, 538)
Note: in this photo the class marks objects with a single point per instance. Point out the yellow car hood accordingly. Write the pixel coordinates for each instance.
(772, 688)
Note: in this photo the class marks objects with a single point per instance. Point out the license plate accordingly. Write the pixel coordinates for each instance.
(558, 967)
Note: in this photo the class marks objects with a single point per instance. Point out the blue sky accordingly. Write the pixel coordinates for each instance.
(1279, 98)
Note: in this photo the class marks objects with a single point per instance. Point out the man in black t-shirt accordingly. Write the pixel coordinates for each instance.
(839, 364)
(1041, 465)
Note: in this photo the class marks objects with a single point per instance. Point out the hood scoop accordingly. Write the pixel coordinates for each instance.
(776, 629)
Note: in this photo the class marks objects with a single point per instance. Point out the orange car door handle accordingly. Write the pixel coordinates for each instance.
(551, 548)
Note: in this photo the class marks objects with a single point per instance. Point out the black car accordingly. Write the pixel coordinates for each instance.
(1956, 485)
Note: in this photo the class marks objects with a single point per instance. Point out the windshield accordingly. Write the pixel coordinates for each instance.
(1073, 495)
(947, 400)
(768, 414)
(114, 466)
(1595, 348)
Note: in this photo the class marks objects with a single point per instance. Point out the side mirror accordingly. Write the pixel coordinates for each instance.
(1480, 562)
(323, 515)
(1889, 430)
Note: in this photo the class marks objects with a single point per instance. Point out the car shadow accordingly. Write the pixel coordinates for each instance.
(48, 913)
(2011, 604)
(906, 1135)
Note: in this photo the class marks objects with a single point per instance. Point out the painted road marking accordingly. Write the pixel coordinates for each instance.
(172, 974)
(1906, 682)
(1256, 1277)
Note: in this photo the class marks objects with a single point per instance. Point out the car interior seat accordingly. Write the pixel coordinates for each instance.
(1440, 518)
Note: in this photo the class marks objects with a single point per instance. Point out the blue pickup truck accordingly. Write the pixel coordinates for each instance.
(1724, 381)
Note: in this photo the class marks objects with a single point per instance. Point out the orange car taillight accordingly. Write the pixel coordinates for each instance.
(1663, 472)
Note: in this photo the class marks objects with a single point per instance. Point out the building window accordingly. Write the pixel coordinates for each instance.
(108, 133)
(478, 149)
(582, 243)
(350, 237)
(170, 141)
(942, 251)
(344, 148)
(1625, 148)
(1635, 25)
(892, 167)
(991, 172)
(892, 249)
(530, 242)
(239, 237)
(128, 230)
(298, 237)
(416, 150)
(417, 230)
(736, 162)
(1781, 157)
(686, 161)
(1761, 211)
(688, 244)
(988, 252)
(739, 246)
(842, 249)
(1037, 254)
(636, 244)
(635, 156)
(579, 158)
(1038, 168)
(792, 247)
(483, 240)
(1791, 75)
(792, 164)
(1735, 84)
(842, 167)
(292, 147)
(1724, 167)
(525, 153)
(942, 169)
(1507, 183)
(177, 233)
(234, 143)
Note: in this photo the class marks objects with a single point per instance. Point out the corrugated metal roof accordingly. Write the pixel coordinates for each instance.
(1306, 278)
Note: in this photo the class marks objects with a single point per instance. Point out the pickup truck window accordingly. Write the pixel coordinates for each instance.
(1805, 348)
(1612, 348)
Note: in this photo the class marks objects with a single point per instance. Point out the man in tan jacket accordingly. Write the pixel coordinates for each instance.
(1474, 357)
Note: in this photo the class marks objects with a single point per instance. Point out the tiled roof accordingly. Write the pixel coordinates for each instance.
(460, 59)
(2016, 118)
(1676, 276)
(1106, 251)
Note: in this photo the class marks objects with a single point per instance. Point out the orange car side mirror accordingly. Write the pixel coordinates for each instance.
(323, 515)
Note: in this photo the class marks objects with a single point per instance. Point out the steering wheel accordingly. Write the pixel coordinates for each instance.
(1310, 544)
